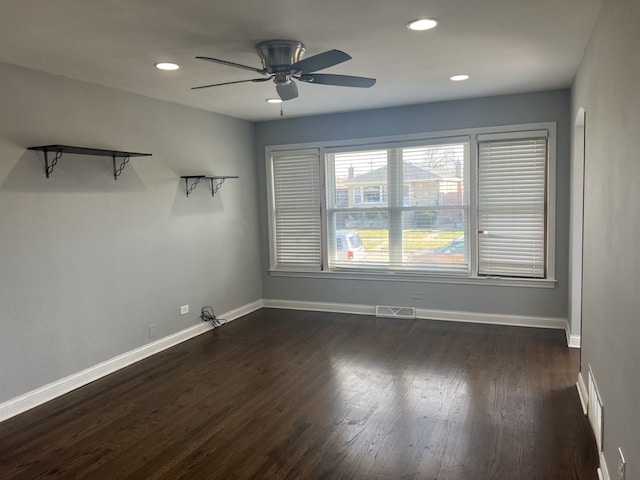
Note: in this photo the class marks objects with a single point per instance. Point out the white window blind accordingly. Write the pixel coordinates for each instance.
(512, 207)
(297, 211)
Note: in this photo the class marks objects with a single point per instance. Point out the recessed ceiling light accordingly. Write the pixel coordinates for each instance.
(459, 78)
(274, 100)
(167, 66)
(422, 24)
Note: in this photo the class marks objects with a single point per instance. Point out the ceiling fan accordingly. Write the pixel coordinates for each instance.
(282, 62)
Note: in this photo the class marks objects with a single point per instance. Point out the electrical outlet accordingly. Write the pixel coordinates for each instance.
(622, 465)
(184, 309)
(153, 330)
(416, 295)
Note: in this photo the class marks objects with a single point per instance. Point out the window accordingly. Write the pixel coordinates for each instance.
(408, 203)
(370, 194)
(296, 207)
(470, 204)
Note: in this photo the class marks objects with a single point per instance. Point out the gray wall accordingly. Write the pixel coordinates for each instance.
(86, 262)
(607, 88)
(513, 109)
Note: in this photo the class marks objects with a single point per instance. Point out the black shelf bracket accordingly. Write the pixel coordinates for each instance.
(118, 170)
(60, 149)
(188, 188)
(218, 182)
(215, 182)
(48, 167)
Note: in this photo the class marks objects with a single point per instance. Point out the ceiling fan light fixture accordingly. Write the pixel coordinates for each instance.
(459, 78)
(422, 24)
(167, 66)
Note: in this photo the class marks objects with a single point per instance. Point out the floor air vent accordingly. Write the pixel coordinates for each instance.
(395, 312)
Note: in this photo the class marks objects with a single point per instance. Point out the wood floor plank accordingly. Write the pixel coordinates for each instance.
(283, 394)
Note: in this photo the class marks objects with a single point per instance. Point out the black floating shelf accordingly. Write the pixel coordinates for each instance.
(60, 149)
(191, 182)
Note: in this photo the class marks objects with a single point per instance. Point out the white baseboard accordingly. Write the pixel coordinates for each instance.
(573, 341)
(55, 389)
(492, 318)
(241, 311)
(423, 313)
(320, 306)
(582, 392)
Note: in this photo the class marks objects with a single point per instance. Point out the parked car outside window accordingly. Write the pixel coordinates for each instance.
(349, 247)
(452, 252)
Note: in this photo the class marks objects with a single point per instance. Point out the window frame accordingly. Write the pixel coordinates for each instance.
(471, 180)
(395, 209)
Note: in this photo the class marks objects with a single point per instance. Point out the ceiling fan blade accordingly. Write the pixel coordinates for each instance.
(287, 91)
(339, 80)
(232, 64)
(321, 61)
(230, 83)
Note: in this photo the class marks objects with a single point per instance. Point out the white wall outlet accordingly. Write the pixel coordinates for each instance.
(184, 309)
(622, 465)
(153, 330)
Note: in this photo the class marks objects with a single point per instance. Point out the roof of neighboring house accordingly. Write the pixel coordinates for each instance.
(379, 175)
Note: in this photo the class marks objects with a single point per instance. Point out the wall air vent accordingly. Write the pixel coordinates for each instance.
(395, 312)
(595, 411)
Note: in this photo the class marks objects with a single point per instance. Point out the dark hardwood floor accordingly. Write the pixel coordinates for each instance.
(305, 395)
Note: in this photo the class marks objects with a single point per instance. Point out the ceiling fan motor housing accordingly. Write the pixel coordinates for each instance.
(278, 55)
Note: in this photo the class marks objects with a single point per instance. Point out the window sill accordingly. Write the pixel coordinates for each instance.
(418, 278)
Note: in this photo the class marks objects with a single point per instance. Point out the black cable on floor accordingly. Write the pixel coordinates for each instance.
(207, 315)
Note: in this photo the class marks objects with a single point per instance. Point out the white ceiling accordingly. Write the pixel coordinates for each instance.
(507, 46)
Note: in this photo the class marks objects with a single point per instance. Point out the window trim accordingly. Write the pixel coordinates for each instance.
(471, 135)
(393, 276)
